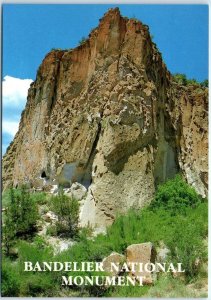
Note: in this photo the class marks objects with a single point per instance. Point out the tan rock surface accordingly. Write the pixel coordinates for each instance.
(142, 253)
(117, 259)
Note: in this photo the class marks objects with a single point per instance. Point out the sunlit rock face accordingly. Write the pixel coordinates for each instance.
(108, 115)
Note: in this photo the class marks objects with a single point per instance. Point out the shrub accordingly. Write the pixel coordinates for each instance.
(20, 217)
(127, 291)
(205, 83)
(186, 242)
(183, 80)
(36, 251)
(10, 280)
(192, 82)
(39, 197)
(67, 210)
(38, 285)
(180, 78)
(40, 243)
(9, 232)
(33, 283)
(52, 230)
(6, 198)
(16, 282)
(175, 195)
(169, 287)
(24, 212)
(85, 233)
(82, 40)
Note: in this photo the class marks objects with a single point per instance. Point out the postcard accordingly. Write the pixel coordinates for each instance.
(105, 150)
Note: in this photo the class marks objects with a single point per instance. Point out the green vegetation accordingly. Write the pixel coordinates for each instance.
(56, 49)
(205, 83)
(177, 216)
(52, 230)
(10, 279)
(16, 282)
(67, 211)
(39, 198)
(175, 195)
(82, 40)
(169, 287)
(183, 80)
(21, 216)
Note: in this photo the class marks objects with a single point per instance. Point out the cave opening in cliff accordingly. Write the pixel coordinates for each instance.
(43, 174)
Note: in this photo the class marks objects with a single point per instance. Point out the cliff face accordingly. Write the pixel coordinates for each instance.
(108, 115)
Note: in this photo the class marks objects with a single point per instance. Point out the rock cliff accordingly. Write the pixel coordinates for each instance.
(108, 115)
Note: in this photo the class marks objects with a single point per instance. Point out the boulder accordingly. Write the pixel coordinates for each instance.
(116, 258)
(77, 191)
(13, 252)
(142, 253)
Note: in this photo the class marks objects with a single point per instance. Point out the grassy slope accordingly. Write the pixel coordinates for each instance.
(177, 216)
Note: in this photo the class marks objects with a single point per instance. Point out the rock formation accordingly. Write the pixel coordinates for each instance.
(114, 258)
(144, 253)
(137, 262)
(109, 116)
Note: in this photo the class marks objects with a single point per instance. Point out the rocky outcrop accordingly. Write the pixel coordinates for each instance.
(142, 253)
(189, 117)
(139, 262)
(113, 258)
(108, 115)
(76, 191)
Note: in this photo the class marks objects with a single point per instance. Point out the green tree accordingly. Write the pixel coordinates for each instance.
(192, 82)
(20, 217)
(183, 80)
(9, 232)
(67, 210)
(180, 78)
(27, 211)
(205, 83)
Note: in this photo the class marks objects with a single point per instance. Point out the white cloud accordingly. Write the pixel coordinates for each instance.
(10, 127)
(4, 148)
(14, 91)
(14, 95)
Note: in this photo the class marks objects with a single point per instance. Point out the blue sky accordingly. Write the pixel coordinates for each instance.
(30, 31)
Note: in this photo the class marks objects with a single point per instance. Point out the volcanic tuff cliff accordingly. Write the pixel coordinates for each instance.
(108, 115)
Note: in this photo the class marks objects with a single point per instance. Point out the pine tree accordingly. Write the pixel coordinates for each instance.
(20, 217)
